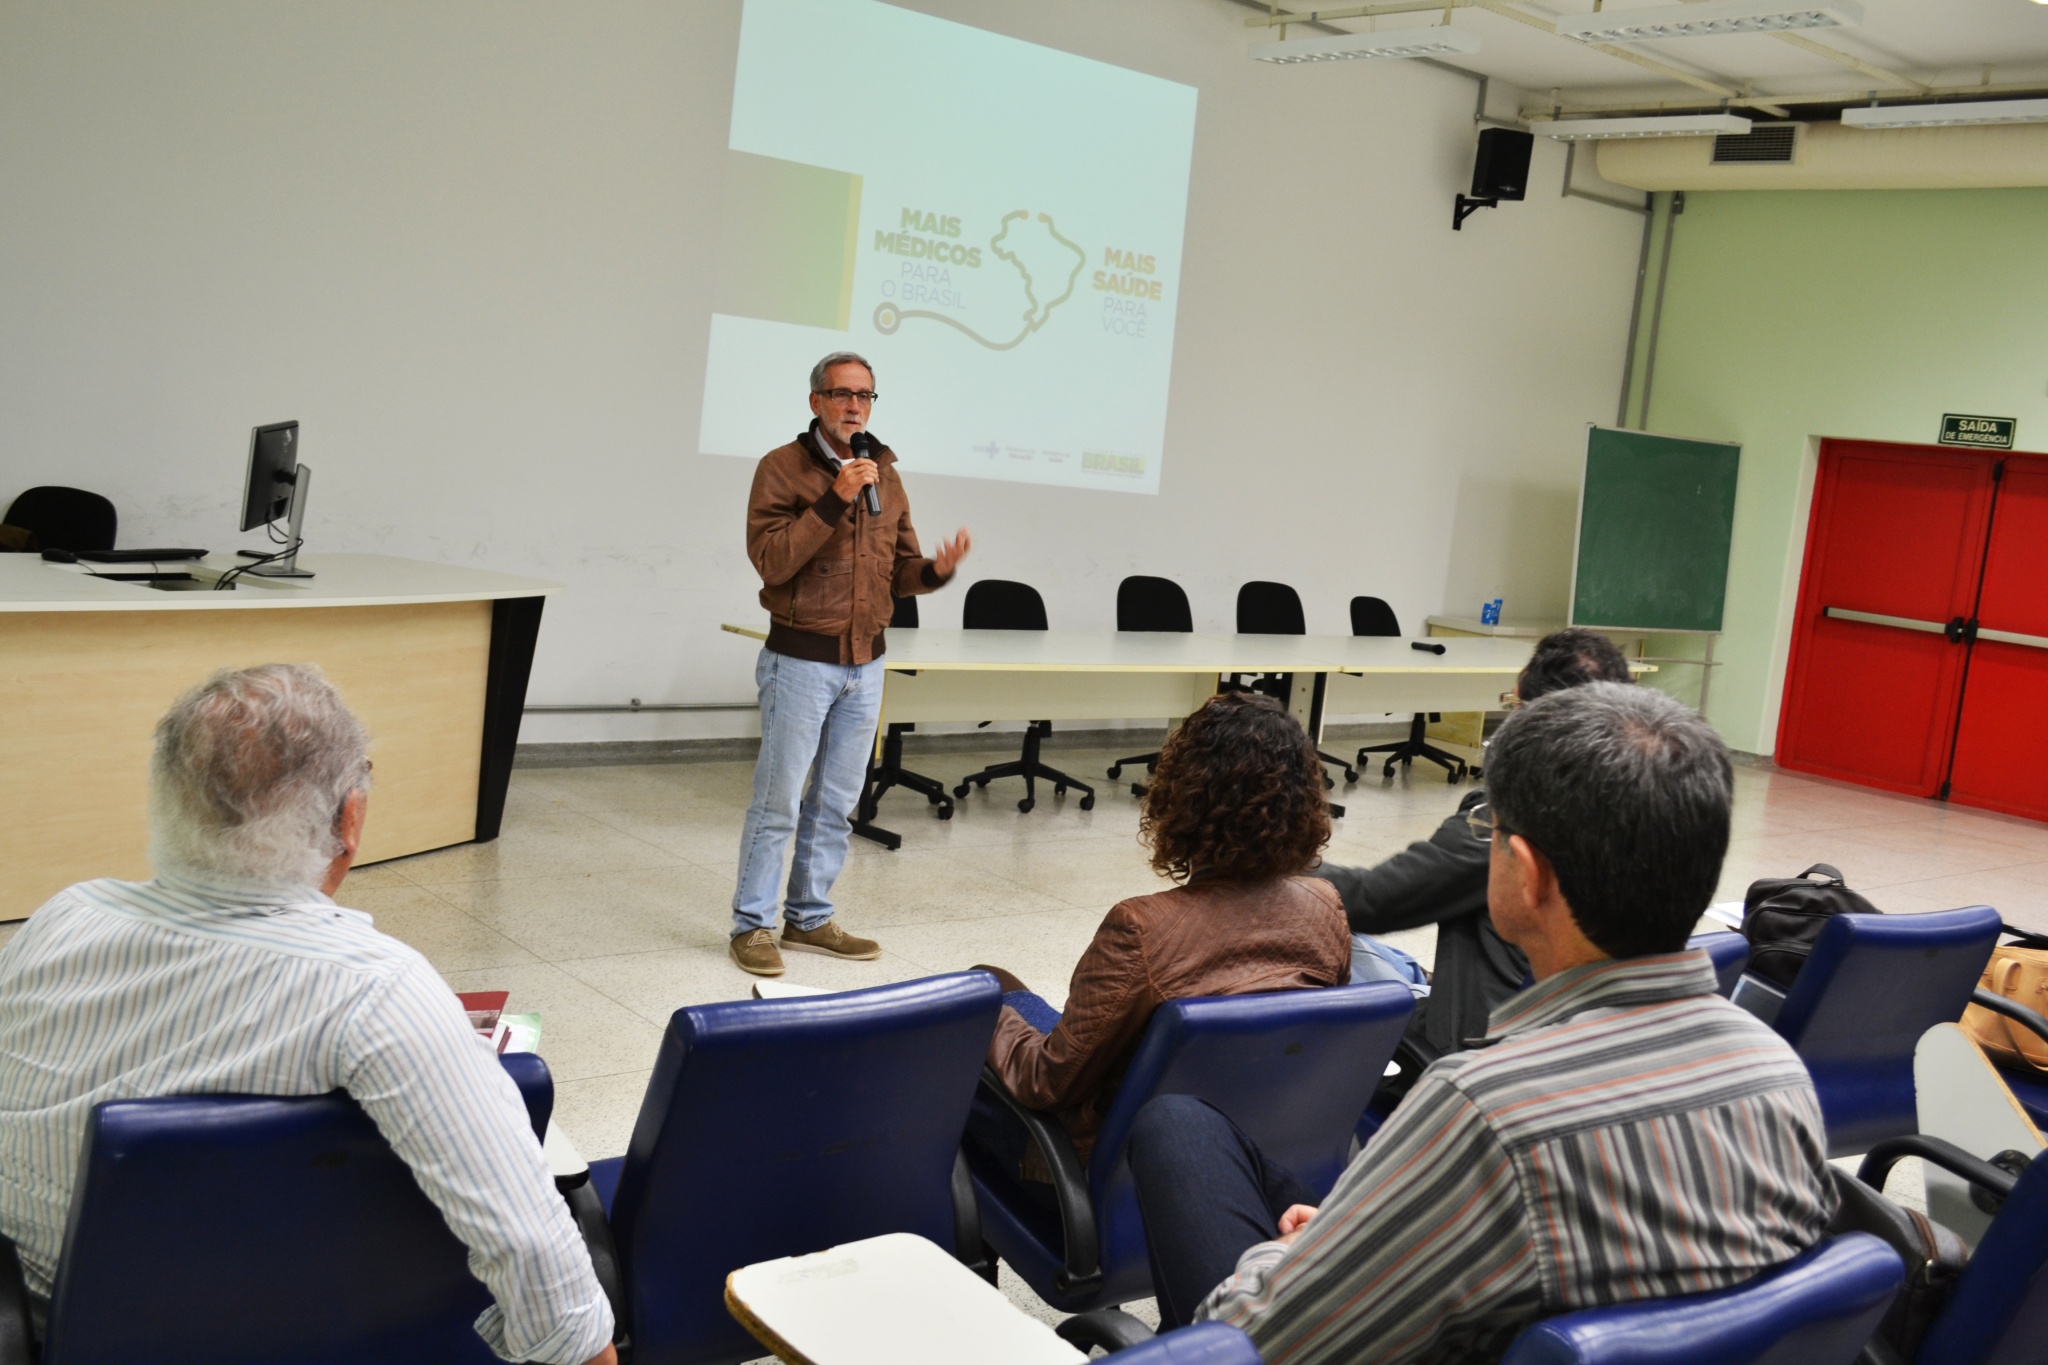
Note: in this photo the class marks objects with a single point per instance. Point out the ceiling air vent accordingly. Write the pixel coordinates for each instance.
(1766, 142)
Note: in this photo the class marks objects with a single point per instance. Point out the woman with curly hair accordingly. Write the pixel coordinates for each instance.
(1235, 814)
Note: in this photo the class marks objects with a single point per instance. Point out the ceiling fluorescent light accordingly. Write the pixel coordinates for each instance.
(1440, 41)
(1710, 18)
(1948, 115)
(1677, 125)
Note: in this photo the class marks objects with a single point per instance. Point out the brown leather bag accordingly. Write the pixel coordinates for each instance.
(2019, 972)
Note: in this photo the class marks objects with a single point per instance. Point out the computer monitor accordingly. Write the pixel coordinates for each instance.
(277, 486)
(273, 468)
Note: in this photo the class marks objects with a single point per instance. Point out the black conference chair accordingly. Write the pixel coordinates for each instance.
(64, 518)
(999, 604)
(890, 772)
(1156, 604)
(1275, 609)
(1372, 616)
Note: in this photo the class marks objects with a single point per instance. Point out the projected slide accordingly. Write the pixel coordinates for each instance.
(995, 224)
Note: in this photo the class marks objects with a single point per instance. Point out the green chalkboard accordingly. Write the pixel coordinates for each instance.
(1655, 517)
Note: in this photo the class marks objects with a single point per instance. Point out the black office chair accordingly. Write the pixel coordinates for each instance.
(1275, 609)
(1144, 603)
(64, 518)
(1372, 616)
(890, 772)
(998, 604)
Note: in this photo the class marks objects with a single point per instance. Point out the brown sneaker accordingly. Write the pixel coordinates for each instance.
(755, 951)
(831, 940)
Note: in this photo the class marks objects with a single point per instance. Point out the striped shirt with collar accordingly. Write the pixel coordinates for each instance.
(1624, 1134)
(120, 990)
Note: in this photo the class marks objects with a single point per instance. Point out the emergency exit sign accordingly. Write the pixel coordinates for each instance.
(1988, 433)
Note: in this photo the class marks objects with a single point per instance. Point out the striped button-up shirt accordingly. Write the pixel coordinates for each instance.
(119, 990)
(1625, 1134)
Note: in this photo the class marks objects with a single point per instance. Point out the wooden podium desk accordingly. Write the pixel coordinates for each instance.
(433, 658)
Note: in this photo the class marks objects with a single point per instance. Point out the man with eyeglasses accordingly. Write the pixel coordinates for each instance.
(1622, 1133)
(832, 566)
(1441, 880)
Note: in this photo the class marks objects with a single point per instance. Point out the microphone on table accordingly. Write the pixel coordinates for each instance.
(862, 444)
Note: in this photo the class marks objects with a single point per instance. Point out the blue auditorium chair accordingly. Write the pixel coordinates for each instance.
(1996, 1309)
(1204, 1343)
(1293, 1069)
(1818, 1309)
(776, 1128)
(246, 1230)
(1872, 985)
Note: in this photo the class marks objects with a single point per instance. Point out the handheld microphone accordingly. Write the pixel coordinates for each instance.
(862, 445)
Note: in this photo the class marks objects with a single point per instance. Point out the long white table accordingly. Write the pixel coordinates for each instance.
(975, 675)
(979, 675)
(434, 658)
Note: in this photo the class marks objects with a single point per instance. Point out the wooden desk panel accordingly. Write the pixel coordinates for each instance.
(81, 692)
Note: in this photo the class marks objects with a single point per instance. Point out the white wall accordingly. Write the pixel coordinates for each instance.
(468, 244)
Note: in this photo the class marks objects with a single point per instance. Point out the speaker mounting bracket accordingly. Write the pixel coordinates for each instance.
(1466, 207)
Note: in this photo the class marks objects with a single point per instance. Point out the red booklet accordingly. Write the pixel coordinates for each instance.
(486, 1011)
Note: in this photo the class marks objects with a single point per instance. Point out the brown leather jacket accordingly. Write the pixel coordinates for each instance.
(1206, 938)
(830, 573)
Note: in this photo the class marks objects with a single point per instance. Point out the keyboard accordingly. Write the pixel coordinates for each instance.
(137, 556)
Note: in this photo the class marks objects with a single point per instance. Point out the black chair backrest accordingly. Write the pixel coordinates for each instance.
(1269, 609)
(1146, 603)
(999, 604)
(1372, 616)
(905, 615)
(65, 518)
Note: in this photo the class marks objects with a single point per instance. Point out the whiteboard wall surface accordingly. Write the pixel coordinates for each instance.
(473, 246)
(1656, 519)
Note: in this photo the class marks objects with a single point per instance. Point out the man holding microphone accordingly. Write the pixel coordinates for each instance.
(828, 530)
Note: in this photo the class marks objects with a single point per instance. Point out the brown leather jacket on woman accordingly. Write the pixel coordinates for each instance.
(830, 573)
(1206, 938)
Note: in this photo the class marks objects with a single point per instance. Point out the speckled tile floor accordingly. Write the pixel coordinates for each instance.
(605, 903)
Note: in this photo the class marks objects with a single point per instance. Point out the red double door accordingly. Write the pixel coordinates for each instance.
(1920, 652)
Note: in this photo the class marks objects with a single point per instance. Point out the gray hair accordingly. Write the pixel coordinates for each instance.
(1627, 793)
(249, 775)
(838, 358)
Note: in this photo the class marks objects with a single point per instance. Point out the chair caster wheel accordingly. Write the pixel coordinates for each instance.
(1153, 766)
(1116, 770)
(961, 790)
(1059, 789)
(1087, 803)
(1350, 774)
(983, 784)
(945, 812)
(1452, 777)
(1138, 789)
(1025, 805)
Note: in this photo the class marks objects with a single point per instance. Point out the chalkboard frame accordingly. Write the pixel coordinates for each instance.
(1578, 614)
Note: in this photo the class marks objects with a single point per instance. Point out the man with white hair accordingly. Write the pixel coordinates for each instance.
(232, 972)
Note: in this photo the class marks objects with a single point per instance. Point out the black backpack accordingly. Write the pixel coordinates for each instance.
(1782, 916)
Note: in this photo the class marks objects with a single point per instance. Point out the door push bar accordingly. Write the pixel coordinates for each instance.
(1956, 631)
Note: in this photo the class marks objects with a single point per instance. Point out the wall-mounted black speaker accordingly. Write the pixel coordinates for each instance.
(1501, 170)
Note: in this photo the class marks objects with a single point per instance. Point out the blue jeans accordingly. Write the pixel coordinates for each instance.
(816, 719)
(1374, 959)
(1207, 1195)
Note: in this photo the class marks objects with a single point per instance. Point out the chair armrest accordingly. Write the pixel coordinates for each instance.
(1081, 1268)
(1110, 1328)
(1878, 1163)
(17, 1327)
(2013, 1010)
(588, 1211)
